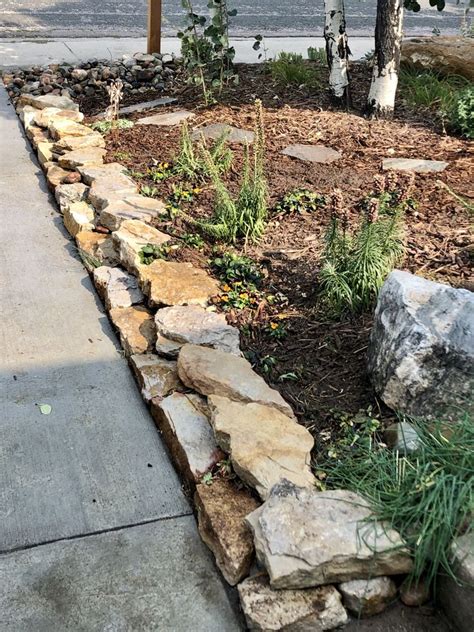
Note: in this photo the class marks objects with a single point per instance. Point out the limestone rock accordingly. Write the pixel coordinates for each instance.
(44, 152)
(48, 101)
(265, 446)
(221, 509)
(309, 610)
(82, 157)
(60, 127)
(115, 192)
(417, 165)
(136, 328)
(215, 130)
(78, 216)
(172, 283)
(166, 119)
(96, 250)
(130, 238)
(156, 376)
(67, 194)
(27, 115)
(116, 287)
(55, 175)
(187, 433)
(213, 372)
(312, 153)
(458, 599)
(146, 105)
(92, 173)
(421, 350)
(306, 538)
(366, 597)
(451, 55)
(37, 135)
(44, 117)
(179, 325)
(403, 437)
(71, 143)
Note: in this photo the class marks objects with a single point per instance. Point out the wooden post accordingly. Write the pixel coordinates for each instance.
(154, 26)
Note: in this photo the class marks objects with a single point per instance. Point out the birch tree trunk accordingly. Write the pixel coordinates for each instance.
(337, 49)
(388, 39)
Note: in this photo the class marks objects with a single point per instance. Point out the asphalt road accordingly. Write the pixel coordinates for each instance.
(127, 18)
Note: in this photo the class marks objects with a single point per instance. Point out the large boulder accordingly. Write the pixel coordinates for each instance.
(421, 351)
(449, 55)
(309, 538)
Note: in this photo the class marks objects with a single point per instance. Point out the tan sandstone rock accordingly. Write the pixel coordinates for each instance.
(60, 127)
(127, 206)
(213, 372)
(82, 157)
(37, 135)
(222, 509)
(265, 446)
(307, 538)
(310, 610)
(96, 250)
(136, 328)
(367, 597)
(131, 237)
(66, 194)
(78, 216)
(172, 283)
(44, 117)
(44, 152)
(55, 175)
(116, 287)
(48, 101)
(451, 55)
(156, 376)
(71, 143)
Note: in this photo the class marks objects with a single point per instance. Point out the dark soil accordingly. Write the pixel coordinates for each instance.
(325, 357)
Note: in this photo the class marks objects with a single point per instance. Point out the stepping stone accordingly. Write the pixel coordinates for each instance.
(417, 165)
(311, 609)
(215, 130)
(116, 287)
(71, 143)
(312, 153)
(66, 194)
(96, 250)
(136, 329)
(77, 217)
(48, 101)
(156, 376)
(265, 446)
(43, 118)
(172, 283)
(183, 422)
(82, 157)
(213, 372)
(59, 128)
(146, 105)
(130, 238)
(306, 538)
(221, 510)
(366, 597)
(166, 119)
(179, 325)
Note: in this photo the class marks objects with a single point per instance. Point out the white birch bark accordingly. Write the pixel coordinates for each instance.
(337, 50)
(388, 40)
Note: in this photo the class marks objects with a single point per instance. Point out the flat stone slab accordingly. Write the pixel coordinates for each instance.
(213, 372)
(417, 165)
(166, 119)
(44, 117)
(71, 143)
(175, 283)
(82, 157)
(131, 237)
(117, 288)
(265, 446)
(183, 422)
(142, 578)
(307, 538)
(146, 105)
(215, 131)
(136, 329)
(60, 127)
(221, 509)
(312, 153)
(49, 101)
(156, 376)
(179, 325)
(314, 609)
(118, 205)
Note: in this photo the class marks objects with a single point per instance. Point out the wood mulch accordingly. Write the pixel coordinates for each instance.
(325, 359)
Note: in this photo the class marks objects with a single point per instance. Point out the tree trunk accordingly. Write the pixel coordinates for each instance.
(337, 50)
(388, 39)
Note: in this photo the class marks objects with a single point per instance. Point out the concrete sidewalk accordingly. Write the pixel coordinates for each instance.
(87, 490)
(74, 50)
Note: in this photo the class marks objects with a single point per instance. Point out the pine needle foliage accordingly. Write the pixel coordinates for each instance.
(191, 161)
(243, 217)
(427, 495)
(356, 263)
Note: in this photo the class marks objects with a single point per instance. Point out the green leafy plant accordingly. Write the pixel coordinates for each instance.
(427, 496)
(356, 263)
(300, 201)
(260, 46)
(191, 161)
(193, 240)
(160, 171)
(104, 127)
(150, 252)
(232, 268)
(148, 191)
(136, 175)
(207, 54)
(461, 114)
(317, 54)
(291, 69)
(277, 330)
(244, 216)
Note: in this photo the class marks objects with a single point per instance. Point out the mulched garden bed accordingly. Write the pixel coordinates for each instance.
(319, 366)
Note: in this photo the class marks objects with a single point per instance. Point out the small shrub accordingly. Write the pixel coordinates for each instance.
(104, 127)
(461, 115)
(300, 201)
(291, 69)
